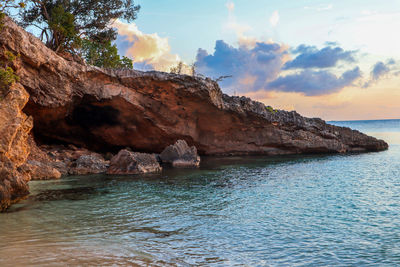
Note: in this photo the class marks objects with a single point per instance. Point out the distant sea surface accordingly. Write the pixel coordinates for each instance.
(319, 210)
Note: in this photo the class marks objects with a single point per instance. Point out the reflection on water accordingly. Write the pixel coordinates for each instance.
(80, 193)
(310, 210)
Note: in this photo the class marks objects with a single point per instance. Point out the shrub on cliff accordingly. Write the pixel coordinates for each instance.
(104, 55)
(271, 109)
(7, 75)
(78, 26)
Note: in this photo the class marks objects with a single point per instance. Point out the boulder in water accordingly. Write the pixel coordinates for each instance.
(127, 162)
(180, 155)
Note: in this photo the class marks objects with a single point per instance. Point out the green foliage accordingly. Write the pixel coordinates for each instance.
(127, 62)
(62, 25)
(271, 109)
(10, 57)
(7, 75)
(77, 26)
(64, 22)
(104, 55)
(2, 15)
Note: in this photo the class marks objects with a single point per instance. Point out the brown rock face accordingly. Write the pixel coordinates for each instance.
(126, 162)
(147, 111)
(180, 155)
(38, 164)
(40, 171)
(14, 149)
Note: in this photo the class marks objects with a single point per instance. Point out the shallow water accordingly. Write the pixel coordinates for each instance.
(256, 211)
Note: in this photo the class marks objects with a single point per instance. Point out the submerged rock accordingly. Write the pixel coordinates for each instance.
(127, 162)
(80, 193)
(180, 155)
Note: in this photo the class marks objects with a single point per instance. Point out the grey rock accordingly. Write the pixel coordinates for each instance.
(127, 162)
(180, 155)
(90, 164)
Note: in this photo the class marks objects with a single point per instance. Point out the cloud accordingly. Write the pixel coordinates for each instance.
(230, 6)
(251, 67)
(367, 12)
(312, 57)
(274, 20)
(239, 29)
(329, 43)
(380, 70)
(149, 51)
(319, 8)
(265, 66)
(313, 83)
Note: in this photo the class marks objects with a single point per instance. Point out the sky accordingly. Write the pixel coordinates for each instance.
(337, 60)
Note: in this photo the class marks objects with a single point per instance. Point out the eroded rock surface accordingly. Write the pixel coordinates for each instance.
(38, 164)
(90, 164)
(147, 111)
(15, 127)
(127, 162)
(180, 155)
(51, 162)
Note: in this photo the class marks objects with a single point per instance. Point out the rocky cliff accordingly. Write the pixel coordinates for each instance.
(14, 148)
(80, 107)
(147, 111)
(109, 109)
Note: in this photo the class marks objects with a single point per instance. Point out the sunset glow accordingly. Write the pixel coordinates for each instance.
(335, 60)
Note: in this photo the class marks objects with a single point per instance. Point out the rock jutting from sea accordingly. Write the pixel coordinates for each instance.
(101, 110)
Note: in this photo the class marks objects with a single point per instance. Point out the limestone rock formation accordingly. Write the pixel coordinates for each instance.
(38, 170)
(180, 155)
(147, 111)
(51, 161)
(90, 164)
(127, 162)
(14, 149)
(38, 164)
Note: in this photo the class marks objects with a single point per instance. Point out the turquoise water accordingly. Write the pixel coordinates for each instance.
(339, 210)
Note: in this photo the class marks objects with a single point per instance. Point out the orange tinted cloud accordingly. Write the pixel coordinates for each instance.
(147, 48)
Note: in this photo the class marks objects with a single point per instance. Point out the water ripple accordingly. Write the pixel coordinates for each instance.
(293, 211)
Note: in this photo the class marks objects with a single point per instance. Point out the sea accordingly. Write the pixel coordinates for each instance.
(303, 210)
